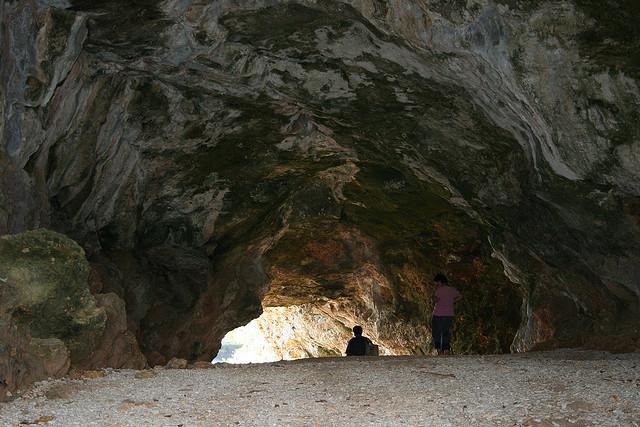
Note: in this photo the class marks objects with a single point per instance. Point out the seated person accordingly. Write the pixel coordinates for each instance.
(358, 344)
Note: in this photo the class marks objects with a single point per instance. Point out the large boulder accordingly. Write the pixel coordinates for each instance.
(49, 321)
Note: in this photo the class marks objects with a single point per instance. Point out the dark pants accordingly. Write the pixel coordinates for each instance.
(441, 331)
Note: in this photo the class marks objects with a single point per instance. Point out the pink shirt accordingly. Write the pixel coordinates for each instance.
(445, 295)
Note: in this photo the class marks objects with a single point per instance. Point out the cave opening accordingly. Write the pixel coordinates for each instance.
(246, 344)
(286, 333)
(397, 318)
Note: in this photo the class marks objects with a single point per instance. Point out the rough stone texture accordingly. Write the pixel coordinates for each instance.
(24, 360)
(176, 363)
(118, 347)
(212, 155)
(48, 318)
(17, 203)
(321, 330)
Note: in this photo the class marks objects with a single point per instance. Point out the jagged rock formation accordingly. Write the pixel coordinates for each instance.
(49, 321)
(320, 330)
(212, 157)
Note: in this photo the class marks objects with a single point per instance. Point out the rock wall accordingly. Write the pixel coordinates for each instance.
(212, 158)
(49, 321)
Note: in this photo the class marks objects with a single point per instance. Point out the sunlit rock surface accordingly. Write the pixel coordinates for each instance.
(290, 333)
(216, 157)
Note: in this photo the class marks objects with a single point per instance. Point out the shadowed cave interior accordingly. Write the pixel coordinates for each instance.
(309, 166)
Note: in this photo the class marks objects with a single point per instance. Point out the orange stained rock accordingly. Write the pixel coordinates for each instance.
(328, 252)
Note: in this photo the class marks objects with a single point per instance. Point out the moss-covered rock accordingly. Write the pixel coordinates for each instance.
(48, 318)
(46, 289)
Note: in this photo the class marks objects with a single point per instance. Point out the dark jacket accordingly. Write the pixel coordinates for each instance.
(358, 346)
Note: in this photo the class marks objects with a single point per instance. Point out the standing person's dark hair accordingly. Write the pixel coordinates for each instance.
(443, 313)
(441, 278)
(358, 344)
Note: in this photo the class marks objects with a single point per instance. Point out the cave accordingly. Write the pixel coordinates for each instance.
(315, 164)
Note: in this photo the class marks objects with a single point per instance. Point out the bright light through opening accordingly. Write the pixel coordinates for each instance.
(285, 333)
(246, 344)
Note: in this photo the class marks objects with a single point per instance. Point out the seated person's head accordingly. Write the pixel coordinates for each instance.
(357, 330)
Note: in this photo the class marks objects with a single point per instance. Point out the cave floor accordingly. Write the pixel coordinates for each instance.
(562, 388)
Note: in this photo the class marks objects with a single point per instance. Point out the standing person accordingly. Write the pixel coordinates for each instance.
(445, 298)
(358, 344)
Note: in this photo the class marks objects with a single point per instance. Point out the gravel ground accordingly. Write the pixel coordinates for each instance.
(565, 388)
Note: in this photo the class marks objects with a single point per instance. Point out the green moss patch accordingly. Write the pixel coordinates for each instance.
(46, 289)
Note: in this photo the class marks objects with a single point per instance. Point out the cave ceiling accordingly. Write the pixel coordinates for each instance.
(214, 158)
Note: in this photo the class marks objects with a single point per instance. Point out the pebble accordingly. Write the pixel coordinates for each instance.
(564, 388)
